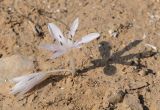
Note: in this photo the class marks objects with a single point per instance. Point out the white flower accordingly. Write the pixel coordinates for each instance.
(65, 44)
(27, 82)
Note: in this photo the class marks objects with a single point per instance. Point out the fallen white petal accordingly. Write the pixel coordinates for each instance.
(152, 46)
(27, 82)
(74, 27)
(56, 33)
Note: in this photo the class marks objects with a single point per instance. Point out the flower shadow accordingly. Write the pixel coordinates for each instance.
(107, 59)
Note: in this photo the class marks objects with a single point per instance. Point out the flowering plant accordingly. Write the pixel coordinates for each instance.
(27, 82)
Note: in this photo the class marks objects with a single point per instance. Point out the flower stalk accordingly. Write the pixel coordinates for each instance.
(72, 64)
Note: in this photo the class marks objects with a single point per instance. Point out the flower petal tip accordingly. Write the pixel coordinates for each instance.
(27, 82)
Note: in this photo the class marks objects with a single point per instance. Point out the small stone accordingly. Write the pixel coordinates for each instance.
(113, 33)
(117, 98)
(149, 71)
(158, 74)
(110, 98)
(71, 106)
(13, 66)
(142, 73)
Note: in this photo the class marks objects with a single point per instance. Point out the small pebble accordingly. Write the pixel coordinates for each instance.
(117, 98)
(113, 33)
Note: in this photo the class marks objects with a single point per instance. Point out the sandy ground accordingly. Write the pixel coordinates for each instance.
(114, 73)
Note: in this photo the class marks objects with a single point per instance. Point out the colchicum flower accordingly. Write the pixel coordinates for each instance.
(66, 44)
(27, 82)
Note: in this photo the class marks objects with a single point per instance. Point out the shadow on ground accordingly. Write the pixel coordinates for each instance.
(109, 59)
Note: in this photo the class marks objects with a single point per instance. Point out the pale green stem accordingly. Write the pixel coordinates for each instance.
(52, 72)
(72, 63)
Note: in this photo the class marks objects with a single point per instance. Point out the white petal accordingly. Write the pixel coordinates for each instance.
(51, 47)
(28, 82)
(56, 33)
(74, 27)
(18, 87)
(58, 54)
(152, 46)
(87, 38)
(18, 79)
